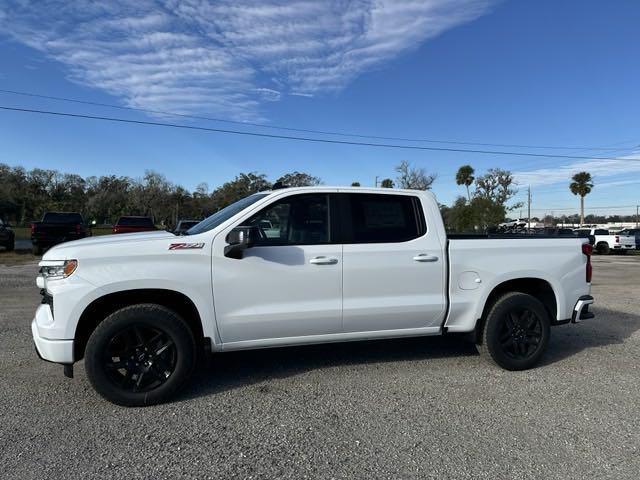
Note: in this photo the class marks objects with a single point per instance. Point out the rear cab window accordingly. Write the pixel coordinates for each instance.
(135, 221)
(54, 217)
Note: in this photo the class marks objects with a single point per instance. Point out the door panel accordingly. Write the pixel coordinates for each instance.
(391, 285)
(276, 292)
(289, 284)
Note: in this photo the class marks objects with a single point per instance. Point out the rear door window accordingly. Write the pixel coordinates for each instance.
(384, 218)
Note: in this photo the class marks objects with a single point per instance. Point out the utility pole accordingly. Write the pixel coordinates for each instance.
(376, 185)
(529, 207)
(637, 210)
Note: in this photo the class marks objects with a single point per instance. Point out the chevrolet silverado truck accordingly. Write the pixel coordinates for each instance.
(606, 242)
(299, 266)
(56, 227)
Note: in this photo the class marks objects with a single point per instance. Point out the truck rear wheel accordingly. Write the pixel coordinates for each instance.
(516, 331)
(603, 248)
(140, 355)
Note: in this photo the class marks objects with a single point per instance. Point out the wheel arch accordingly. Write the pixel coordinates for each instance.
(539, 288)
(102, 307)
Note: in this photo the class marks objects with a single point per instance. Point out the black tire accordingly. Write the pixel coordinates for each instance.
(516, 331)
(36, 249)
(603, 248)
(140, 355)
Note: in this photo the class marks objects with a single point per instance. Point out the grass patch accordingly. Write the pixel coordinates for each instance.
(22, 233)
(17, 257)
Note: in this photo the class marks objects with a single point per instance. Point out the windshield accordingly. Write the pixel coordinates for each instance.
(225, 214)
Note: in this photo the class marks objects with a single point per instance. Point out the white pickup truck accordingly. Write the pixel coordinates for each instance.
(606, 242)
(298, 266)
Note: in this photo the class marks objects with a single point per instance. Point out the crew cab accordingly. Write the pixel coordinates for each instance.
(55, 228)
(133, 224)
(299, 266)
(606, 242)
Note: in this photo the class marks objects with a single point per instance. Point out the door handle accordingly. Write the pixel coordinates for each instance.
(423, 257)
(321, 260)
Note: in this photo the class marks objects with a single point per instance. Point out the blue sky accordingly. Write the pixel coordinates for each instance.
(537, 73)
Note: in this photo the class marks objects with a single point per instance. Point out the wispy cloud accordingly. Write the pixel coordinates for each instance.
(227, 56)
(598, 168)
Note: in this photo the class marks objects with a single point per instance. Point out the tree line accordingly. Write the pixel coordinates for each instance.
(26, 194)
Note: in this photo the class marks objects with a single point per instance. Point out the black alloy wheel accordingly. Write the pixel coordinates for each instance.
(520, 334)
(140, 358)
(516, 331)
(140, 355)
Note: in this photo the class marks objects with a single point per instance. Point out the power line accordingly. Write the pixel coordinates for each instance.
(302, 130)
(586, 208)
(306, 139)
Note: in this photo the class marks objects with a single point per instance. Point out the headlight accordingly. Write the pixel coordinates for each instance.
(57, 268)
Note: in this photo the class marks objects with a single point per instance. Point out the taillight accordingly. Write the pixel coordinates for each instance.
(617, 239)
(587, 249)
(78, 229)
(33, 228)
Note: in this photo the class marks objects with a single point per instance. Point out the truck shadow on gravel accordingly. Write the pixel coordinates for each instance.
(609, 327)
(233, 370)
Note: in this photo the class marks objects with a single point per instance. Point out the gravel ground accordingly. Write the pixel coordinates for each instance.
(418, 408)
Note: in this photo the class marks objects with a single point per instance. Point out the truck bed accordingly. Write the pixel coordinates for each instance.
(479, 263)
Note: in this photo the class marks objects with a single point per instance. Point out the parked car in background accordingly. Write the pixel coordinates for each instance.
(299, 266)
(607, 242)
(633, 232)
(55, 228)
(184, 225)
(133, 224)
(7, 236)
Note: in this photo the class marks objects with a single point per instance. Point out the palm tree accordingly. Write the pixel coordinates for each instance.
(465, 177)
(581, 185)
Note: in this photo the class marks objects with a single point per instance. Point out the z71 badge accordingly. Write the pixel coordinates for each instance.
(185, 246)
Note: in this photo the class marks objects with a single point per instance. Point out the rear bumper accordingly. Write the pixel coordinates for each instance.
(581, 309)
(58, 351)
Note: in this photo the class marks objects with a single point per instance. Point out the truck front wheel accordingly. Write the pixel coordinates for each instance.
(516, 331)
(140, 355)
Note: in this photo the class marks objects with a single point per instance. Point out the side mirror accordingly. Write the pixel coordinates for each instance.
(239, 239)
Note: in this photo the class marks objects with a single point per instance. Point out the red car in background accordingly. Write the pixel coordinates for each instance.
(133, 225)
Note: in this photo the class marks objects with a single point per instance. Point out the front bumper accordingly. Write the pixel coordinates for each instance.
(58, 351)
(581, 310)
